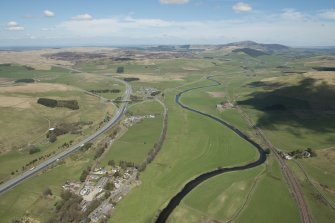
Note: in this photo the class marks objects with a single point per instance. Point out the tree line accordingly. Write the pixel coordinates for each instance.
(129, 79)
(52, 103)
(106, 91)
(156, 148)
(25, 80)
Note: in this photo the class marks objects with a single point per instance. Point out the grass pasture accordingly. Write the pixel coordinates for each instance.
(306, 119)
(271, 200)
(26, 199)
(136, 143)
(25, 122)
(240, 200)
(305, 127)
(320, 171)
(194, 144)
(220, 198)
(140, 138)
(203, 203)
(145, 108)
(200, 145)
(14, 160)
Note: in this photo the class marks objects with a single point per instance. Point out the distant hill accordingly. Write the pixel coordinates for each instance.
(256, 46)
(248, 47)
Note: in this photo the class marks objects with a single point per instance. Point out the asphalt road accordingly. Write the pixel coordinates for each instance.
(26, 175)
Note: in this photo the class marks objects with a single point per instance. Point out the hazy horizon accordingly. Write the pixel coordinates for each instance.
(37, 47)
(166, 22)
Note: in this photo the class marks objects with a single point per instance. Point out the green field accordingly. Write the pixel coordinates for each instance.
(145, 108)
(200, 204)
(289, 130)
(198, 143)
(135, 144)
(286, 132)
(220, 198)
(240, 197)
(35, 119)
(320, 209)
(194, 144)
(271, 192)
(27, 199)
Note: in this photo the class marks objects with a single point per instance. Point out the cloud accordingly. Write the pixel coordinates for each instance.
(82, 17)
(48, 13)
(179, 2)
(292, 14)
(14, 26)
(328, 14)
(273, 29)
(144, 23)
(112, 26)
(94, 27)
(242, 7)
(288, 26)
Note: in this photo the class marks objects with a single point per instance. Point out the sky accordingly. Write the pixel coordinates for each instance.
(150, 22)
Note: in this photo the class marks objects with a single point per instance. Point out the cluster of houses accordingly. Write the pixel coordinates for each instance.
(135, 119)
(150, 90)
(94, 188)
(101, 211)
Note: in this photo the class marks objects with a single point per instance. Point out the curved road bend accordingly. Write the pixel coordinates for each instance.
(174, 202)
(17, 180)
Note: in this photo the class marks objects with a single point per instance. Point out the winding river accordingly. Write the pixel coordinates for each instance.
(174, 202)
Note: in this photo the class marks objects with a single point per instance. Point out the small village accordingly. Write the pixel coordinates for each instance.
(108, 186)
(150, 90)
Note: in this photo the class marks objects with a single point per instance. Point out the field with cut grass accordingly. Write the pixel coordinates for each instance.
(198, 207)
(271, 199)
(240, 197)
(220, 198)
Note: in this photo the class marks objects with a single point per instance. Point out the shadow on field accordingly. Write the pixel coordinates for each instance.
(305, 105)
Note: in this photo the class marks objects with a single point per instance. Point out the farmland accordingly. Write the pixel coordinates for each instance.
(286, 98)
(20, 103)
(221, 146)
(140, 138)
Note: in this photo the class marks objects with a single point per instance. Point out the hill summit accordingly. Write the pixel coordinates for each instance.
(248, 47)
